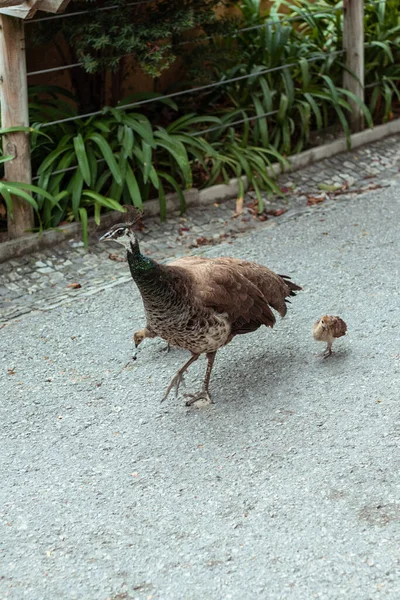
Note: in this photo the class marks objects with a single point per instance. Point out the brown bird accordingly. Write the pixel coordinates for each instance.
(200, 304)
(326, 329)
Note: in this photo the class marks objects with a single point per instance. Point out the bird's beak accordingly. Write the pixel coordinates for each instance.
(105, 238)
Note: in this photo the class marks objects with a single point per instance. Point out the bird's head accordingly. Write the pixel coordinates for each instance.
(122, 233)
(138, 337)
(323, 322)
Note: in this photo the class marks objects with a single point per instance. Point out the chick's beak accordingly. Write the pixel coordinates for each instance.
(106, 237)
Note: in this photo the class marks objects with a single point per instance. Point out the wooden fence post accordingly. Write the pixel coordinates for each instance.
(353, 42)
(14, 113)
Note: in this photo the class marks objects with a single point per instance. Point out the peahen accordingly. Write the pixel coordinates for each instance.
(200, 304)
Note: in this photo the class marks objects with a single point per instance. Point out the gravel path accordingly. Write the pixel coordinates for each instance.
(286, 488)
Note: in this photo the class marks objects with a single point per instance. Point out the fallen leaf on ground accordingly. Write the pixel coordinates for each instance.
(202, 241)
(329, 188)
(276, 212)
(11, 371)
(74, 286)
(312, 200)
(181, 230)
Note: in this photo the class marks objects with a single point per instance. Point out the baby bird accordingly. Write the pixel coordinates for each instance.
(326, 329)
(141, 334)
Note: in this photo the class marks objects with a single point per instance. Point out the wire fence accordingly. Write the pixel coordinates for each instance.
(194, 90)
(197, 40)
(316, 12)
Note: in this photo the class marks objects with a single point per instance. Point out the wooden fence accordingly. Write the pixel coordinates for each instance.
(14, 88)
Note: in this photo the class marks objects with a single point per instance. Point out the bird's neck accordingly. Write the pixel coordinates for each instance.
(139, 265)
(156, 283)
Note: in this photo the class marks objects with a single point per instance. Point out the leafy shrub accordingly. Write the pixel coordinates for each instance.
(305, 96)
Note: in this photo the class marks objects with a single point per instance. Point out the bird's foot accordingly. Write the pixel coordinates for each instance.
(327, 353)
(202, 395)
(176, 382)
(166, 348)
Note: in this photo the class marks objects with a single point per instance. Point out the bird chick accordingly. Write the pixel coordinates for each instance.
(141, 334)
(326, 329)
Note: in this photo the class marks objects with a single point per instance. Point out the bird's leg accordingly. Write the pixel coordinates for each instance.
(177, 380)
(328, 350)
(204, 393)
(166, 348)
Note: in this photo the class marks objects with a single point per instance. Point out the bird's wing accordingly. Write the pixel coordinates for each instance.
(274, 288)
(223, 287)
(337, 326)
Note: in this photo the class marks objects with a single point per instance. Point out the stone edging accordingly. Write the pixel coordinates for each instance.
(216, 193)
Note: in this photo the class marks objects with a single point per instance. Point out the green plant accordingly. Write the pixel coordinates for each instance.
(382, 57)
(286, 103)
(102, 39)
(117, 159)
(26, 191)
(323, 23)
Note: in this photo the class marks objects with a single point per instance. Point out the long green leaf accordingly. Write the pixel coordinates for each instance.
(178, 151)
(7, 199)
(133, 187)
(177, 189)
(81, 157)
(102, 200)
(52, 157)
(108, 156)
(4, 159)
(30, 188)
(76, 186)
(142, 128)
(16, 191)
(84, 223)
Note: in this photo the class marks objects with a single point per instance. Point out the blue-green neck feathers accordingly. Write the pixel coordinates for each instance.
(139, 264)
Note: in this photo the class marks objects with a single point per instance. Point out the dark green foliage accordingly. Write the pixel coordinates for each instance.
(128, 156)
(102, 39)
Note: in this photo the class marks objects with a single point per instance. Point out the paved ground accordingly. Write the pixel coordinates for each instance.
(40, 281)
(286, 488)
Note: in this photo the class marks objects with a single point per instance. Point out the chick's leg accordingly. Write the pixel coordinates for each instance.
(204, 393)
(179, 377)
(328, 350)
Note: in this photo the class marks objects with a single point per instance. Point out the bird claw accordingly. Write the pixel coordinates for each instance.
(166, 348)
(202, 395)
(176, 382)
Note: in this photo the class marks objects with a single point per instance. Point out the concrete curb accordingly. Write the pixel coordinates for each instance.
(216, 193)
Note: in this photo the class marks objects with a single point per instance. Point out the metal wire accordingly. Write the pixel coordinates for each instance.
(191, 90)
(53, 69)
(370, 85)
(226, 125)
(73, 168)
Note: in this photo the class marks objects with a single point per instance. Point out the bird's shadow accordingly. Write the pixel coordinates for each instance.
(337, 357)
